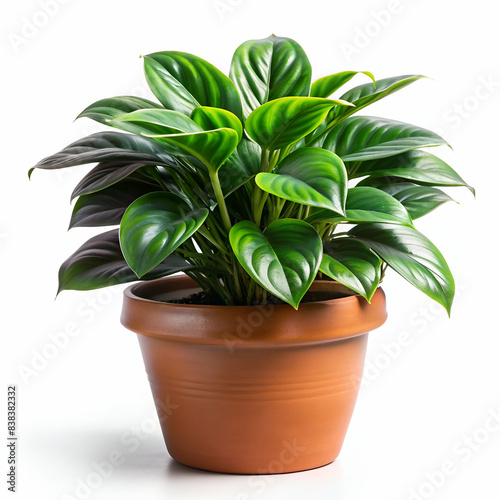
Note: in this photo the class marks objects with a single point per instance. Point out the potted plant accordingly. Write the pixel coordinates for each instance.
(264, 192)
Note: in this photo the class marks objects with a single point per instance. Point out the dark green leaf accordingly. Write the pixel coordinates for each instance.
(283, 121)
(269, 68)
(183, 81)
(284, 259)
(353, 264)
(99, 263)
(418, 200)
(106, 109)
(418, 166)
(310, 176)
(153, 226)
(411, 255)
(326, 86)
(103, 176)
(366, 204)
(107, 206)
(366, 94)
(361, 138)
(106, 147)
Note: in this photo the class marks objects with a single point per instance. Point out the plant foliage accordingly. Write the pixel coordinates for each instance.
(246, 183)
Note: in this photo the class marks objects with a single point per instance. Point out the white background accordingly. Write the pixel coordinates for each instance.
(419, 403)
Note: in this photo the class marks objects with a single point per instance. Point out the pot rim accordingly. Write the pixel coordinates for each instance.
(313, 322)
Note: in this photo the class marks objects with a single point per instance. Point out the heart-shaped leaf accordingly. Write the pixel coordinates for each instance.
(411, 255)
(107, 206)
(361, 138)
(99, 263)
(153, 226)
(310, 176)
(418, 166)
(365, 204)
(326, 86)
(212, 148)
(353, 264)
(284, 259)
(283, 121)
(214, 118)
(106, 109)
(182, 82)
(270, 68)
(418, 200)
(106, 147)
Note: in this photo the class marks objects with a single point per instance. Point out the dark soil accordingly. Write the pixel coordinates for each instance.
(203, 298)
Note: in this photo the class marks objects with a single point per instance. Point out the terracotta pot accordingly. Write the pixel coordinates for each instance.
(252, 389)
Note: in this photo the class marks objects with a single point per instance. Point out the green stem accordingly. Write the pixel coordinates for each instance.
(219, 196)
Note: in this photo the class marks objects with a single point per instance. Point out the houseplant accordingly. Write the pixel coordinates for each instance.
(262, 190)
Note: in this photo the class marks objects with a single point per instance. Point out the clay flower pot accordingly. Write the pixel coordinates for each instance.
(252, 389)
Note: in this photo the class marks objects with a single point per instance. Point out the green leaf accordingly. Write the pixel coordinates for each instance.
(366, 94)
(418, 200)
(212, 148)
(310, 176)
(104, 175)
(106, 109)
(418, 166)
(366, 204)
(240, 167)
(106, 147)
(361, 138)
(411, 255)
(283, 121)
(214, 118)
(353, 264)
(326, 86)
(155, 225)
(107, 206)
(155, 121)
(182, 82)
(269, 68)
(99, 263)
(284, 259)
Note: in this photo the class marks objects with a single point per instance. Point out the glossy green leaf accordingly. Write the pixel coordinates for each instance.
(310, 176)
(212, 148)
(326, 86)
(283, 121)
(361, 138)
(99, 263)
(155, 121)
(418, 200)
(106, 147)
(107, 206)
(240, 167)
(366, 94)
(413, 256)
(105, 175)
(269, 68)
(106, 109)
(182, 82)
(284, 259)
(153, 226)
(353, 264)
(367, 204)
(417, 166)
(214, 118)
